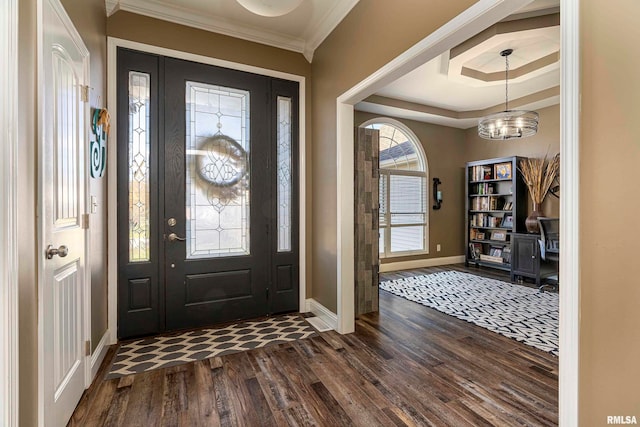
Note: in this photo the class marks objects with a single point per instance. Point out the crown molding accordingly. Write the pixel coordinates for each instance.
(179, 15)
(111, 6)
(316, 34)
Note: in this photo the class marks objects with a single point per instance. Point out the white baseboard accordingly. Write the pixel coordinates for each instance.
(323, 313)
(420, 263)
(100, 352)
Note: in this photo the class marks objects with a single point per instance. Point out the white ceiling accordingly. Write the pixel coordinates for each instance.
(301, 30)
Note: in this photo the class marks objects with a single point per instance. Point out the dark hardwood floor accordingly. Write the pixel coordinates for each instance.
(406, 365)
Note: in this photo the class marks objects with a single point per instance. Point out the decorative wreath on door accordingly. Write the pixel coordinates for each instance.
(221, 166)
(222, 161)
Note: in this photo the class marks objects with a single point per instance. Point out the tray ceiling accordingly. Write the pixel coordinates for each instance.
(467, 82)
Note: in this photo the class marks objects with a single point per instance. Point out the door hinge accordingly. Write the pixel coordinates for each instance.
(87, 348)
(85, 221)
(267, 294)
(84, 93)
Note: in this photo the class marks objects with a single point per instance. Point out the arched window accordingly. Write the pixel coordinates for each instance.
(403, 190)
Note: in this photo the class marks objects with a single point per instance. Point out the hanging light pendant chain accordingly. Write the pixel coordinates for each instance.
(506, 83)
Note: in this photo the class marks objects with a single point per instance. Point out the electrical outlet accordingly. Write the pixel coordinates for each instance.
(438, 247)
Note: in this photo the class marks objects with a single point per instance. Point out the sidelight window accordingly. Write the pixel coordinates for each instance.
(139, 157)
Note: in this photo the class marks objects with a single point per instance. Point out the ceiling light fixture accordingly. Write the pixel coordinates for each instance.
(270, 8)
(508, 124)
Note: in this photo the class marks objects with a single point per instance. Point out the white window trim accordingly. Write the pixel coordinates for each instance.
(422, 156)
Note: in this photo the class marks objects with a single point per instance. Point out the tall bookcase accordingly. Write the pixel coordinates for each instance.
(496, 207)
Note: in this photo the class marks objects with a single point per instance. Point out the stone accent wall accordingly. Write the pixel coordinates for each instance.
(366, 199)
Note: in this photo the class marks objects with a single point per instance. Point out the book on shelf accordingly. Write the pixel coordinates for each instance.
(485, 220)
(495, 251)
(488, 203)
(475, 250)
(491, 258)
(485, 188)
(481, 173)
(506, 254)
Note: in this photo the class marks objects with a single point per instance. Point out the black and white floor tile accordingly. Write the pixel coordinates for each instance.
(517, 312)
(164, 351)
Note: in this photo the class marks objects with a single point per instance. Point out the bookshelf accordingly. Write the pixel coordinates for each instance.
(495, 207)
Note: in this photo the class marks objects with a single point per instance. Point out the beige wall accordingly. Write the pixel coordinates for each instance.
(547, 140)
(369, 37)
(609, 207)
(142, 29)
(444, 148)
(90, 20)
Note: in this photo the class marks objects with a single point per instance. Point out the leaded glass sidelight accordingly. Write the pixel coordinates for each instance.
(139, 230)
(284, 174)
(217, 179)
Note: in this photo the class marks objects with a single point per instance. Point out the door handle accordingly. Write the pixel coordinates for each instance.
(62, 251)
(173, 237)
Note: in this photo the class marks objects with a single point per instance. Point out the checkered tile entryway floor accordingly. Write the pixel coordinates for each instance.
(164, 351)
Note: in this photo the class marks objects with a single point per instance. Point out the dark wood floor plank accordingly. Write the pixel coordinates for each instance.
(205, 394)
(302, 378)
(407, 365)
(357, 397)
(224, 405)
(144, 406)
(115, 417)
(174, 402)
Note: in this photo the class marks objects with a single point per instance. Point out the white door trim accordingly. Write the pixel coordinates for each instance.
(570, 82)
(478, 17)
(9, 354)
(112, 47)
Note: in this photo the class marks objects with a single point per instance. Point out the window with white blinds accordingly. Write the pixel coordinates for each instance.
(403, 192)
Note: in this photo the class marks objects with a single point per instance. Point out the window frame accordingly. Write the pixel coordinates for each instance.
(422, 159)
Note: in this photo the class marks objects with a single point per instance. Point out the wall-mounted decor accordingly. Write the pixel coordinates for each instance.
(100, 124)
(437, 194)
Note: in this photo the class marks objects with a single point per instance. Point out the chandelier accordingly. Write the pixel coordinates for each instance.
(508, 124)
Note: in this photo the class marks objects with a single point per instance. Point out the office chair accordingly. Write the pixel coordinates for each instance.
(550, 247)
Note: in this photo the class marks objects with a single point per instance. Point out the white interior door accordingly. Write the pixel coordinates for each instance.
(64, 73)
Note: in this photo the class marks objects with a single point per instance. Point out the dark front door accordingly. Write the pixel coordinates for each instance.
(215, 205)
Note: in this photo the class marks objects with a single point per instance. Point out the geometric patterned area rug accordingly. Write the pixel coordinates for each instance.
(171, 350)
(515, 311)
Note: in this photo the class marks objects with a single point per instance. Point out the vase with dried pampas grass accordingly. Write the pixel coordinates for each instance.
(538, 174)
